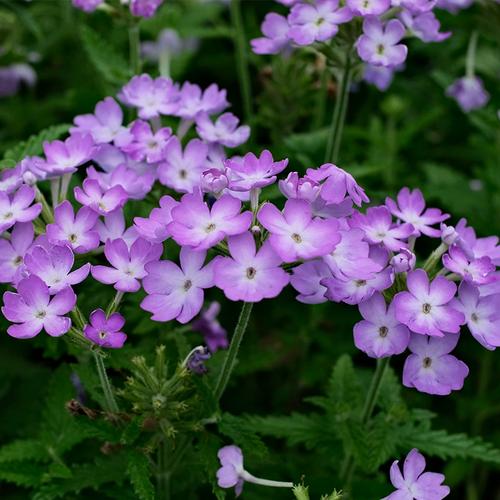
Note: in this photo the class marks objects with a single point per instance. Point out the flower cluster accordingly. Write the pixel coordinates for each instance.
(138, 8)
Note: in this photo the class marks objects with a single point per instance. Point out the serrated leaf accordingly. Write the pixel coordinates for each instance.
(344, 388)
(23, 450)
(139, 472)
(106, 59)
(34, 145)
(243, 433)
(27, 475)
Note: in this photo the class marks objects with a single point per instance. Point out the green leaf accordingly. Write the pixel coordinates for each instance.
(7, 163)
(139, 471)
(344, 388)
(243, 433)
(23, 450)
(301, 492)
(27, 474)
(33, 146)
(112, 66)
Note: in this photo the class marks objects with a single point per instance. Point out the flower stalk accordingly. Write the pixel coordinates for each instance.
(109, 397)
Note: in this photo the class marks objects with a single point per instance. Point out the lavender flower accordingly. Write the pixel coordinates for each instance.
(13, 251)
(18, 207)
(478, 271)
(154, 228)
(146, 144)
(113, 227)
(302, 188)
(379, 76)
(98, 200)
(275, 29)
(65, 157)
(430, 368)
(104, 331)
(177, 292)
(196, 360)
(307, 278)
(414, 483)
(404, 261)
(224, 131)
(469, 92)
(87, 5)
(249, 275)
(426, 308)
(368, 7)
(33, 310)
(379, 45)
(144, 8)
(207, 324)
(128, 265)
(194, 101)
(380, 334)
(214, 181)
(13, 76)
(424, 26)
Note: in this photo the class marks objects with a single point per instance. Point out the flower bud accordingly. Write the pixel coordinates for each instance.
(214, 181)
(404, 261)
(29, 178)
(302, 188)
(449, 234)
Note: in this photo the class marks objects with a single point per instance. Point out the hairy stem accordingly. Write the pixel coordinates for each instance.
(232, 353)
(242, 58)
(134, 48)
(109, 397)
(470, 62)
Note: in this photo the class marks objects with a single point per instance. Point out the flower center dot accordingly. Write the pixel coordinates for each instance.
(426, 308)
(380, 49)
(383, 331)
(182, 174)
(41, 314)
(73, 238)
(8, 215)
(187, 285)
(251, 272)
(427, 362)
(360, 283)
(18, 260)
(102, 335)
(474, 317)
(211, 227)
(297, 238)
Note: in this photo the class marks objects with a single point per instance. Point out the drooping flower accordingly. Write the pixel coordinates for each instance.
(207, 324)
(469, 92)
(478, 271)
(379, 228)
(154, 228)
(105, 125)
(194, 101)
(13, 251)
(145, 143)
(53, 266)
(152, 97)
(181, 170)
(65, 157)
(253, 172)
(197, 225)
(87, 5)
(368, 7)
(303, 188)
(424, 26)
(176, 292)
(414, 483)
(431, 368)
(32, 309)
(144, 8)
(275, 29)
(250, 275)
(316, 22)
(307, 278)
(425, 308)
(196, 360)
(410, 208)
(380, 334)
(295, 234)
(104, 331)
(101, 201)
(76, 231)
(482, 314)
(379, 44)
(128, 264)
(224, 131)
(18, 207)
(113, 227)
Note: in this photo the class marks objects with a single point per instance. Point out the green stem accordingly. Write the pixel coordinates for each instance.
(232, 353)
(339, 113)
(46, 210)
(134, 48)
(109, 397)
(242, 58)
(321, 98)
(349, 465)
(114, 304)
(162, 475)
(470, 62)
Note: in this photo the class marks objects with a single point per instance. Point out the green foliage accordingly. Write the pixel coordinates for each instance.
(139, 471)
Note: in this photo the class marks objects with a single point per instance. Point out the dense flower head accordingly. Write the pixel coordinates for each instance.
(469, 92)
(105, 331)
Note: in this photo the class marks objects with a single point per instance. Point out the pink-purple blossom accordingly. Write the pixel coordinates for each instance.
(65, 157)
(146, 144)
(193, 100)
(404, 261)
(13, 252)
(478, 271)
(144, 8)
(18, 207)
(275, 29)
(469, 92)
(224, 130)
(303, 188)
(154, 228)
(105, 331)
(101, 201)
(424, 26)
(307, 278)
(112, 227)
(208, 325)
(231, 471)
(87, 5)
(368, 7)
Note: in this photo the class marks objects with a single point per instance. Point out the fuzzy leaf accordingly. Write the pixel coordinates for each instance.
(27, 474)
(139, 471)
(23, 450)
(243, 433)
(344, 389)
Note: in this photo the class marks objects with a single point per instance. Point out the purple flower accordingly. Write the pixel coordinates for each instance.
(250, 275)
(197, 225)
(414, 483)
(379, 76)
(87, 5)
(404, 261)
(380, 334)
(307, 278)
(410, 208)
(64, 157)
(302, 188)
(207, 324)
(113, 227)
(176, 292)
(214, 181)
(316, 23)
(144, 8)
(53, 266)
(379, 228)
(152, 97)
(180, 170)
(478, 271)
(469, 92)
(295, 234)
(426, 308)
(379, 45)
(231, 471)
(105, 332)
(193, 101)
(12, 252)
(224, 131)
(430, 368)
(253, 172)
(128, 264)
(98, 200)
(145, 143)
(78, 232)
(105, 125)
(196, 361)
(10, 179)
(275, 29)
(154, 228)
(18, 208)
(33, 309)
(454, 5)
(350, 257)
(368, 7)
(337, 184)
(481, 314)
(415, 6)
(34, 168)
(424, 26)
